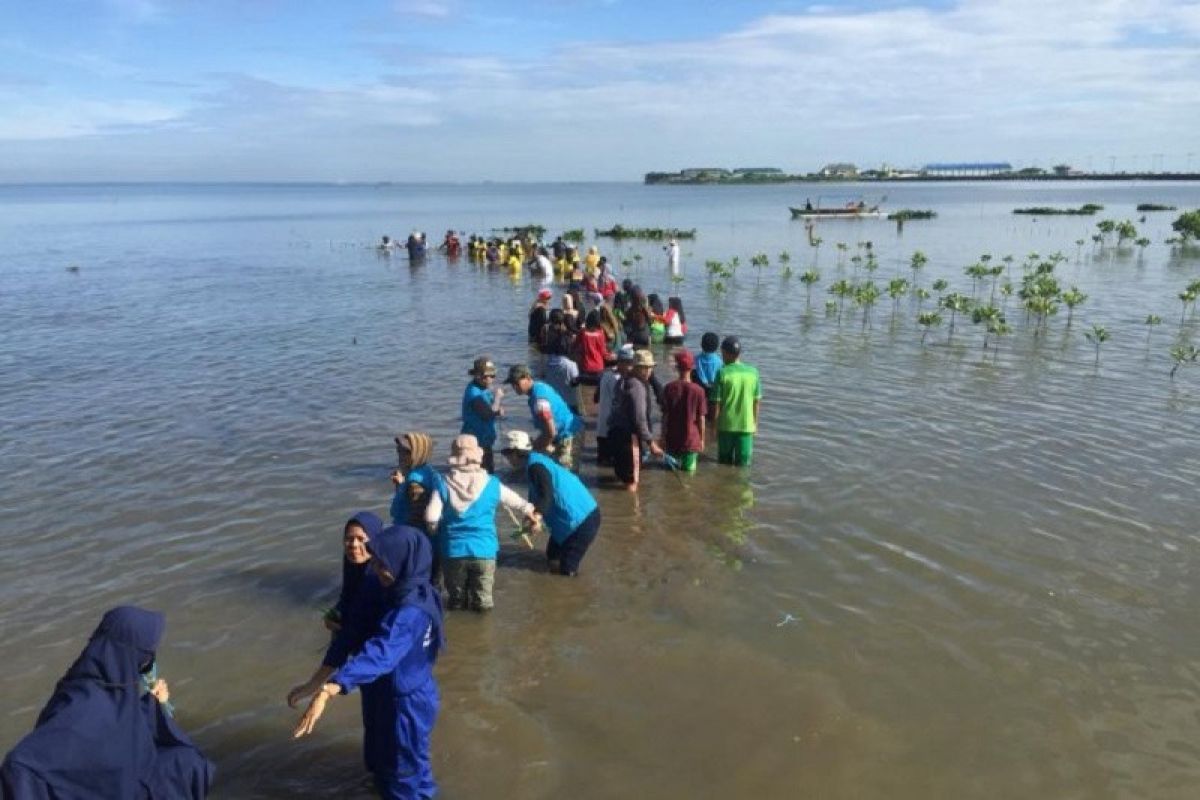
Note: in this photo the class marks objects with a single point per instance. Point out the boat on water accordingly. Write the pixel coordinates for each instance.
(848, 211)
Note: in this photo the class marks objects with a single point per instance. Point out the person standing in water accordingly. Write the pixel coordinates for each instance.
(684, 409)
(481, 408)
(395, 666)
(557, 425)
(414, 479)
(672, 249)
(737, 395)
(463, 513)
(107, 731)
(567, 509)
(629, 431)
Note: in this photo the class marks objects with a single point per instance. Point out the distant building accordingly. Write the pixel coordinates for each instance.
(747, 171)
(968, 169)
(704, 173)
(839, 170)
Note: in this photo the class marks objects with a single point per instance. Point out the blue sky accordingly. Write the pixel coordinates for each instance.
(462, 90)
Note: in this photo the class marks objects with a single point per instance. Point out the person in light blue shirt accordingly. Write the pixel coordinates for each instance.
(557, 425)
(481, 407)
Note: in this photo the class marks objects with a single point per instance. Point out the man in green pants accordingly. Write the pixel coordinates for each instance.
(736, 394)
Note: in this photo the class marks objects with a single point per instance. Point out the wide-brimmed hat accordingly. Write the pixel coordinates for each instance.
(465, 451)
(516, 373)
(518, 441)
(482, 366)
(643, 358)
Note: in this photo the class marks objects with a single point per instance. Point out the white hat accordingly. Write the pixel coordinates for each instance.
(517, 440)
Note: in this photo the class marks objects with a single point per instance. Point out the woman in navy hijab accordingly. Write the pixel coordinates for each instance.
(100, 736)
(395, 668)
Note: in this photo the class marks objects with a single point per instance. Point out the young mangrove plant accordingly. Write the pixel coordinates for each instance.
(1098, 335)
(1187, 225)
(1125, 232)
(1151, 321)
(1186, 297)
(941, 285)
(1071, 298)
(927, 320)
(916, 264)
(841, 290)
(785, 258)
(956, 304)
(922, 294)
(865, 296)
(897, 288)
(830, 307)
(809, 277)
(1183, 354)
(988, 316)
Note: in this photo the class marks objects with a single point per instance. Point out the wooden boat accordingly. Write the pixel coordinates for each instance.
(856, 211)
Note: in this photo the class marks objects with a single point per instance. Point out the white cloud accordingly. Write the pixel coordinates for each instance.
(429, 9)
(40, 121)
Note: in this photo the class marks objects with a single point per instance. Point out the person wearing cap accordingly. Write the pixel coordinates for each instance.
(481, 407)
(737, 395)
(463, 514)
(605, 392)
(567, 509)
(554, 420)
(629, 429)
(684, 409)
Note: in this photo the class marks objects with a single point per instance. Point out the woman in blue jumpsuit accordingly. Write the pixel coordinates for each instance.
(394, 669)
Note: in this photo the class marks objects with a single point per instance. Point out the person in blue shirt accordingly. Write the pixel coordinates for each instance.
(463, 512)
(395, 668)
(556, 424)
(708, 364)
(566, 508)
(481, 407)
(415, 479)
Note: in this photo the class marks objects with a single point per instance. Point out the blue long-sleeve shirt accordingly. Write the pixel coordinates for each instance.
(403, 646)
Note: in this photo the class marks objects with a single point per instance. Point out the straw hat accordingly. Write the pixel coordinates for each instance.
(643, 358)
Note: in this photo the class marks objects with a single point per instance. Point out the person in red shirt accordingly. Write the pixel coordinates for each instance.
(591, 350)
(684, 409)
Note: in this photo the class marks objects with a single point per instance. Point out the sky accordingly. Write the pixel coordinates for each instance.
(584, 90)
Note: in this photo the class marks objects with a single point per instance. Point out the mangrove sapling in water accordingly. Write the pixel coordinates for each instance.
(865, 296)
(916, 263)
(927, 320)
(956, 304)
(1151, 321)
(1125, 231)
(842, 247)
(897, 288)
(922, 294)
(830, 307)
(1183, 354)
(809, 277)
(1187, 225)
(841, 290)
(1071, 298)
(1098, 335)
(1185, 297)
(941, 284)
(988, 316)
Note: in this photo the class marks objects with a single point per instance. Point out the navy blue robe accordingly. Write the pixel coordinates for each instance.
(394, 669)
(98, 736)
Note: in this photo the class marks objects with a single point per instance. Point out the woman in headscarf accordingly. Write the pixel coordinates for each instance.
(414, 479)
(464, 514)
(394, 669)
(104, 733)
(360, 604)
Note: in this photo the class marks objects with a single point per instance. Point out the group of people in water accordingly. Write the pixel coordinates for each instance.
(108, 730)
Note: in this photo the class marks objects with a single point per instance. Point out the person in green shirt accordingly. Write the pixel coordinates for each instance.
(736, 394)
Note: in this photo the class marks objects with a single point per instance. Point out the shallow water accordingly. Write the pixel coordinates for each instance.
(951, 572)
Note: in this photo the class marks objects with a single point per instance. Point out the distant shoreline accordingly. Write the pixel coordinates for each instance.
(1014, 177)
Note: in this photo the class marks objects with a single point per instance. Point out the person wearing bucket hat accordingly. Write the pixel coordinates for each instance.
(684, 409)
(737, 395)
(463, 512)
(629, 429)
(567, 509)
(556, 424)
(481, 407)
(605, 393)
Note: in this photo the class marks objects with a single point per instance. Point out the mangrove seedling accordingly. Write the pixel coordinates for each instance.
(1187, 225)
(785, 257)
(841, 290)
(1185, 297)
(941, 285)
(1071, 298)
(987, 316)
(865, 296)
(842, 247)
(897, 288)
(1098, 335)
(916, 263)
(1142, 243)
(809, 277)
(998, 328)
(1183, 354)
(1151, 321)
(956, 304)
(922, 294)
(1125, 231)
(927, 320)
(830, 307)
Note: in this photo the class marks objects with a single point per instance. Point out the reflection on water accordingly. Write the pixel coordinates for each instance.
(950, 572)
